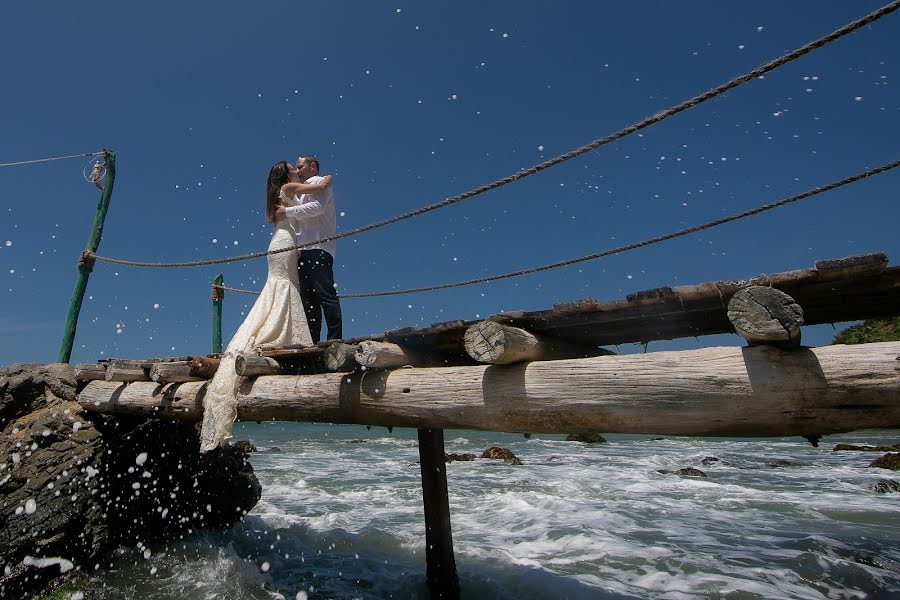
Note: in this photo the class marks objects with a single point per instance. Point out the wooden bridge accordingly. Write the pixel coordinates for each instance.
(546, 372)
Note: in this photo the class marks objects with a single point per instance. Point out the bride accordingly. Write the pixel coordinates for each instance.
(277, 318)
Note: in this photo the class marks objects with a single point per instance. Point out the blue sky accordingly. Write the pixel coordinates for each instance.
(405, 104)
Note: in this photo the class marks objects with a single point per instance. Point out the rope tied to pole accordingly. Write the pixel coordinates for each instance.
(522, 173)
(86, 260)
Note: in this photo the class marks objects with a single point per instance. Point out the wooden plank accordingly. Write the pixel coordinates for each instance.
(90, 372)
(172, 372)
(491, 342)
(125, 372)
(339, 357)
(382, 355)
(250, 365)
(759, 391)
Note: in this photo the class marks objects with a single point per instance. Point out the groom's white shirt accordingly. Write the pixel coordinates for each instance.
(314, 217)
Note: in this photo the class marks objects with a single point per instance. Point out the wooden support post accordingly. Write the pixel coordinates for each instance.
(443, 582)
(490, 342)
(249, 365)
(218, 294)
(339, 357)
(765, 315)
(86, 262)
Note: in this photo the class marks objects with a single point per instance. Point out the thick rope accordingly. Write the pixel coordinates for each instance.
(620, 249)
(553, 161)
(651, 241)
(40, 160)
(231, 289)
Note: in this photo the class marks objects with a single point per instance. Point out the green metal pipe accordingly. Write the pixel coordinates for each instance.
(218, 294)
(86, 261)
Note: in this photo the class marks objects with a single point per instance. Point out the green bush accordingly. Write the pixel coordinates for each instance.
(871, 330)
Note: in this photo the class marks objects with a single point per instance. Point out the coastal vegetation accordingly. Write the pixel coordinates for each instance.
(870, 330)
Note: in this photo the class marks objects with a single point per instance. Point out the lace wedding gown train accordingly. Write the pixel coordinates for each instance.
(276, 319)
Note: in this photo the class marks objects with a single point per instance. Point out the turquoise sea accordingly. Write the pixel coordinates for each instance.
(341, 517)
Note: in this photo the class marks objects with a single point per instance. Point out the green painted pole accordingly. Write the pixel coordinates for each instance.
(86, 261)
(218, 294)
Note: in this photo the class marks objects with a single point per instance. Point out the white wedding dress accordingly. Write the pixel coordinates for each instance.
(276, 320)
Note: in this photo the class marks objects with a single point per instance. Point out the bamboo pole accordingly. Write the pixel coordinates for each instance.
(218, 294)
(86, 261)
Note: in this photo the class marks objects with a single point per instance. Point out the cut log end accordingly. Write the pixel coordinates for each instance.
(764, 315)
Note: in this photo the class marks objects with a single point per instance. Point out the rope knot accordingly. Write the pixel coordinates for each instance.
(86, 260)
(218, 293)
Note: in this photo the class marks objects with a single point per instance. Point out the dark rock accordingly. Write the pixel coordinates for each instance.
(449, 458)
(22, 388)
(888, 461)
(274, 449)
(587, 438)
(886, 486)
(690, 472)
(709, 460)
(779, 462)
(75, 485)
(245, 446)
(851, 447)
(501, 454)
(656, 440)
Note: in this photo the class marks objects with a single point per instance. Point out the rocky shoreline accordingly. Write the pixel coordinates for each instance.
(75, 486)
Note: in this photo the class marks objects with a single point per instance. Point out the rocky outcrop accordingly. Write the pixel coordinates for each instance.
(690, 472)
(450, 457)
(886, 486)
(504, 454)
(73, 486)
(888, 461)
(586, 438)
(851, 447)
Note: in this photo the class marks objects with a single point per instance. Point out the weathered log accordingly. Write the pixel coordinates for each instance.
(764, 315)
(339, 357)
(491, 342)
(750, 391)
(173, 372)
(249, 365)
(382, 355)
(125, 372)
(204, 367)
(90, 372)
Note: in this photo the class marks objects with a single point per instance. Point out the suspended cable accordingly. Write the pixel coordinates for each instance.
(651, 241)
(621, 249)
(712, 93)
(40, 160)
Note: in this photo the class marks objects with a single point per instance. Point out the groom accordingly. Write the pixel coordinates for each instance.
(314, 219)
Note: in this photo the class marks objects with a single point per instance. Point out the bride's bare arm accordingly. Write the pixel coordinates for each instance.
(292, 189)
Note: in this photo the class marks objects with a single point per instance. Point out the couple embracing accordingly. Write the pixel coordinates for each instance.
(299, 286)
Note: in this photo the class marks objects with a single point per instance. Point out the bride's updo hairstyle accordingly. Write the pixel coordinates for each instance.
(278, 176)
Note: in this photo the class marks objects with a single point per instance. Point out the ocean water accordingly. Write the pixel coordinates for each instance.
(341, 517)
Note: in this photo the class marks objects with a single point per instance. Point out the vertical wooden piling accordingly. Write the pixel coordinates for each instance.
(86, 262)
(218, 294)
(443, 582)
